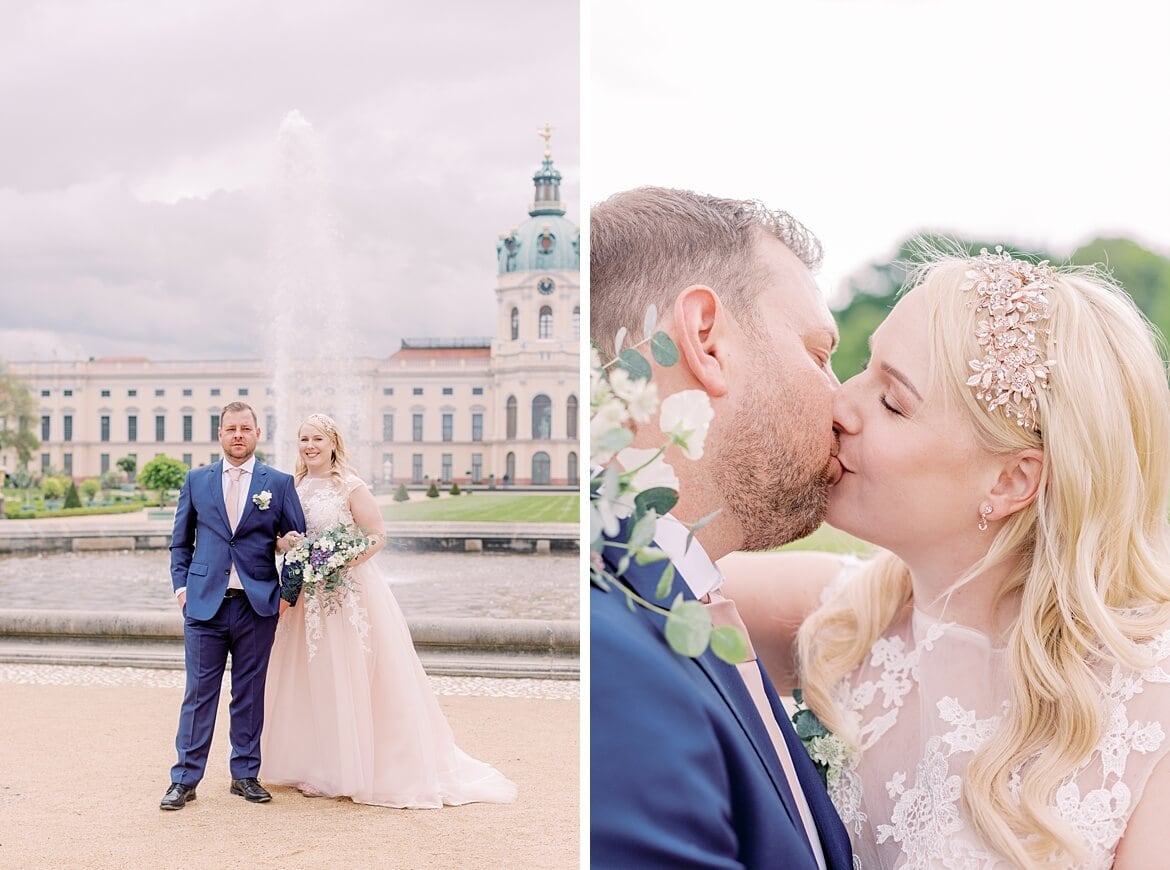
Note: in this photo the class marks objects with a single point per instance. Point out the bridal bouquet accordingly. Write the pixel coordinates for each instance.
(317, 564)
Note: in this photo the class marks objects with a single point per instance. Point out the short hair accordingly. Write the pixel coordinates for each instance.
(648, 244)
(236, 407)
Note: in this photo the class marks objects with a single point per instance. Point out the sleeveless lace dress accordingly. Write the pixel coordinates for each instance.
(931, 693)
(348, 708)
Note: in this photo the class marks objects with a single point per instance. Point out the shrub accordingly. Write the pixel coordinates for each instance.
(72, 499)
(433, 491)
(90, 487)
(401, 494)
(52, 488)
(454, 489)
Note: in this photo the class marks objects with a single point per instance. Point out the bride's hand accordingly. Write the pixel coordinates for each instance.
(288, 541)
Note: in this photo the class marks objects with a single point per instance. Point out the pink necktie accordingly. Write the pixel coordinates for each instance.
(232, 499)
(724, 612)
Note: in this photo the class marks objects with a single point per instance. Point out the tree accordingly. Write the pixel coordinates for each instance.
(90, 487)
(128, 464)
(16, 418)
(401, 494)
(52, 488)
(72, 499)
(163, 473)
(454, 489)
(432, 491)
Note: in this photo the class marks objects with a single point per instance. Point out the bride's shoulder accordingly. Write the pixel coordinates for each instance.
(350, 481)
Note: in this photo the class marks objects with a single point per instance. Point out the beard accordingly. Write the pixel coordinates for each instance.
(768, 468)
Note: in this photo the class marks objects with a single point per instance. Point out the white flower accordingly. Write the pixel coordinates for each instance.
(262, 499)
(640, 396)
(611, 415)
(656, 473)
(685, 417)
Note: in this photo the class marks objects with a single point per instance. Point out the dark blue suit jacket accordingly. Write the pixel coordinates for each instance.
(682, 771)
(203, 546)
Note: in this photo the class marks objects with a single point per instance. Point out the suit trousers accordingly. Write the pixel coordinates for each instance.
(235, 630)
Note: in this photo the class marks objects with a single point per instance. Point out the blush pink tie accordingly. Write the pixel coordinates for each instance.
(724, 612)
(232, 499)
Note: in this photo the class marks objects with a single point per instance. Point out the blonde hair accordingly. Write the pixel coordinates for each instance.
(1078, 570)
(338, 464)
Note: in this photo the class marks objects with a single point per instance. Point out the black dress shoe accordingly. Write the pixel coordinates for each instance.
(177, 796)
(251, 790)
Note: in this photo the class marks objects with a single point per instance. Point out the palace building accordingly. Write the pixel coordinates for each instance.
(483, 411)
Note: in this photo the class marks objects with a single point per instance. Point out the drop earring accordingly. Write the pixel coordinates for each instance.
(984, 513)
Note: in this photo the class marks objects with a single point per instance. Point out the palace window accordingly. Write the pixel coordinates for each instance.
(544, 328)
(542, 418)
(510, 416)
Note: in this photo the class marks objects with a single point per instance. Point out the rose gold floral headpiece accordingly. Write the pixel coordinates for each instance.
(323, 422)
(1010, 293)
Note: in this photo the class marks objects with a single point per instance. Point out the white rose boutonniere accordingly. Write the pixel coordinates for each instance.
(262, 499)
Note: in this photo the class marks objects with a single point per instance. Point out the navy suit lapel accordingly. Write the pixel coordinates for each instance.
(215, 493)
(724, 677)
(834, 837)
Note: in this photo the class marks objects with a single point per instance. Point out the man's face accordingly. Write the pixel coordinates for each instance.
(238, 435)
(775, 454)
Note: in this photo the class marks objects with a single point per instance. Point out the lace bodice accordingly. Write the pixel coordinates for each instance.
(325, 501)
(927, 697)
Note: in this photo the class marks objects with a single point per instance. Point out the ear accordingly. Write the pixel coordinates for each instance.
(1018, 483)
(699, 334)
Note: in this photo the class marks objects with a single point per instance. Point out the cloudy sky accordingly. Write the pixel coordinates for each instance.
(1041, 123)
(138, 163)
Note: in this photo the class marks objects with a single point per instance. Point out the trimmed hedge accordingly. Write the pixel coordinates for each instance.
(15, 513)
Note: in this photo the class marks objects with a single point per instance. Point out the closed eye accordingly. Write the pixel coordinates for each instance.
(888, 406)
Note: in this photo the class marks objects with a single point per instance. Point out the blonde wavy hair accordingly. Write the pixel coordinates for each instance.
(1091, 584)
(338, 464)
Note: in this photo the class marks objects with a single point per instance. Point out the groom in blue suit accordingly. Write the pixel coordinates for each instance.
(694, 762)
(223, 569)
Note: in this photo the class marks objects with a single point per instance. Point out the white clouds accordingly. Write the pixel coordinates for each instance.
(1041, 122)
(139, 146)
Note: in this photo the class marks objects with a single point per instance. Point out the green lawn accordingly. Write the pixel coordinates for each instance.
(831, 540)
(487, 507)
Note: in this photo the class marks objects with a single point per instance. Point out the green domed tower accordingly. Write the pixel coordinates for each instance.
(538, 338)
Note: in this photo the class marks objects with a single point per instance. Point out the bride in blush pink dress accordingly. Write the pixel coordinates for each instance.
(349, 711)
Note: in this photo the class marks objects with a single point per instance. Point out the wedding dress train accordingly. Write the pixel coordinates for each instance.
(349, 710)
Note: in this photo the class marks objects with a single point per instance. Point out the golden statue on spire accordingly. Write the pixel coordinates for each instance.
(545, 133)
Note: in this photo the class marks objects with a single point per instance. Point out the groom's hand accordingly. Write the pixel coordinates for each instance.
(182, 596)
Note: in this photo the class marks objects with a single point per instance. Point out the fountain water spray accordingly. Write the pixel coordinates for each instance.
(311, 350)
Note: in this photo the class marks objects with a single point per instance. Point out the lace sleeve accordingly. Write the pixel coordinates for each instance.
(351, 482)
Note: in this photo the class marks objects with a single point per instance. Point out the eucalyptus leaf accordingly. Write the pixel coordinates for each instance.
(698, 525)
(659, 499)
(688, 627)
(615, 439)
(634, 363)
(807, 725)
(618, 341)
(664, 350)
(649, 555)
(650, 320)
(729, 644)
(596, 530)
(643, 531)
(665, 581)
(623, 564)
